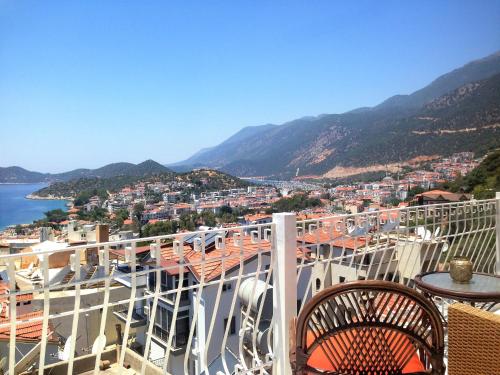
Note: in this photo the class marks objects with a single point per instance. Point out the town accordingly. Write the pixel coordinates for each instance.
(154, 208)
(159, 297)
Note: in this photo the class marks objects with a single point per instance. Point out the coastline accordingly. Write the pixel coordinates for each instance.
(20, 204)
(48, 198)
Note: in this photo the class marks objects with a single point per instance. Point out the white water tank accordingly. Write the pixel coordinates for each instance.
(258, 289)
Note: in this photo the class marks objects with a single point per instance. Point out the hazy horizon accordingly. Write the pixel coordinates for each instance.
(91, 83)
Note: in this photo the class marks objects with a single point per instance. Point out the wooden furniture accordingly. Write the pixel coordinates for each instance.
(482, 287)
(473, 341)
(367, 327)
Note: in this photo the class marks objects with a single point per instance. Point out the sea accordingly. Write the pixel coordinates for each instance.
(16, 209)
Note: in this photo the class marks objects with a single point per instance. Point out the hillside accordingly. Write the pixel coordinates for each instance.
(195, 182)
(456, 112)
(20, 175)
(17, 175)
(483, 181)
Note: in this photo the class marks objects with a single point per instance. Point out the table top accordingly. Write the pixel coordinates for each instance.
(482, 287)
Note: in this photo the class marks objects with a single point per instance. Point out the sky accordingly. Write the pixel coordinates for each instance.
(90, 82)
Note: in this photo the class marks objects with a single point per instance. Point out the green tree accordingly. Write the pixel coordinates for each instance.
(56, 215)
(159, 228)
(186, 222)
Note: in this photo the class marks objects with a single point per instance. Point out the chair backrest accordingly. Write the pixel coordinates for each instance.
(368, 327)
(473, 341)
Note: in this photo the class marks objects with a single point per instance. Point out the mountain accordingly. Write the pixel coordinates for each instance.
(458, 111)
(474, 71)
(217, 155)
(196, 181)
(20, 175)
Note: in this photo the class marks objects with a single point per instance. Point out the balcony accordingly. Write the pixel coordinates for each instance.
(221, 303)
(137, 318)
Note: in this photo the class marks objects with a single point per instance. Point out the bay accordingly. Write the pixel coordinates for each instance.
(16, 209)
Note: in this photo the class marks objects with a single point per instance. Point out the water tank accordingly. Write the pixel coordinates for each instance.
(258, 289)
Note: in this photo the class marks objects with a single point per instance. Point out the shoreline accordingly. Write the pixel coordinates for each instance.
(48, 198)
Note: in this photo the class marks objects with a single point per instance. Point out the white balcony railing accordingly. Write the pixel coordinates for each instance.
(220, 300)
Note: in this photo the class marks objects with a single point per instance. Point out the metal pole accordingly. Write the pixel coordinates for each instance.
(497, 220)
(284, 265)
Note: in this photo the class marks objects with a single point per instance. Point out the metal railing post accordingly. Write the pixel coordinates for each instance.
(284, 288)
(497, 222)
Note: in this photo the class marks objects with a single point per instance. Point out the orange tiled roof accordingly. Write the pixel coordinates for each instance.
(27, 331)
(216, 260)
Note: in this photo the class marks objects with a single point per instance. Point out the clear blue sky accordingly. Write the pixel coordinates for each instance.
(85, 83)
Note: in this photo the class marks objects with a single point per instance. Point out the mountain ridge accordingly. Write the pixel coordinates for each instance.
(316, 145)
(17, 174)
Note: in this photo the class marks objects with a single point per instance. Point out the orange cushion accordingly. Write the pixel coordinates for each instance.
(392, 340)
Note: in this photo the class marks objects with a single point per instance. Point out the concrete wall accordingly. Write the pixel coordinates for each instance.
(88, 323)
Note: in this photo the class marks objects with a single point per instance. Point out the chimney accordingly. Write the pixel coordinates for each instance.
(102, 233)
(45, 233)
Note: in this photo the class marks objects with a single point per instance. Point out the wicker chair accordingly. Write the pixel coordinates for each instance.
(473, 341)
(367, 328)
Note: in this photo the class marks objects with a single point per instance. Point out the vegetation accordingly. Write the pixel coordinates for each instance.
(56, 216)
(84, 196)
(83, 187)
(120, 216)
(483, 181)
(97, 214)
(414, 191)
(196, 182)
(297, 202)
(380, 135)
(159, 228)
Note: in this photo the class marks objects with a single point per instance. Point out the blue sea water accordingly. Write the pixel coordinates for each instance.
(16, 209)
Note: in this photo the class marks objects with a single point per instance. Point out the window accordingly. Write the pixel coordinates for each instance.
(227, 287)
(318, 284)
(367, 260)
(361, 278)
(163, 322)
(152, 280)
(341, 279)
(232, 327)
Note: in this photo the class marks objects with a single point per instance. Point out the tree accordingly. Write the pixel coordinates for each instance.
(159, 228)
(56, 215)
(208, 218)
(186, 222)
(225, 210)
(137, 211)
(412, 192)
(120, 216)
(297, 202)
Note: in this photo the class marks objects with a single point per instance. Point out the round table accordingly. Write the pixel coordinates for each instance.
(482, 287)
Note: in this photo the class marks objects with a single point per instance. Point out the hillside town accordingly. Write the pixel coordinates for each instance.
(129, 216)
(164, 208)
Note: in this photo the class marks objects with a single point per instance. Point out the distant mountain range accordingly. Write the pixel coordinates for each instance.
(21, 175)
(459, 111)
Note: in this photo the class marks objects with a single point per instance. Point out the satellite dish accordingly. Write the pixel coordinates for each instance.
(390, 225)
(99, 344)
(421, 232)
(66, 353)
(445, 247)
(358, 230)
(436, 232)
